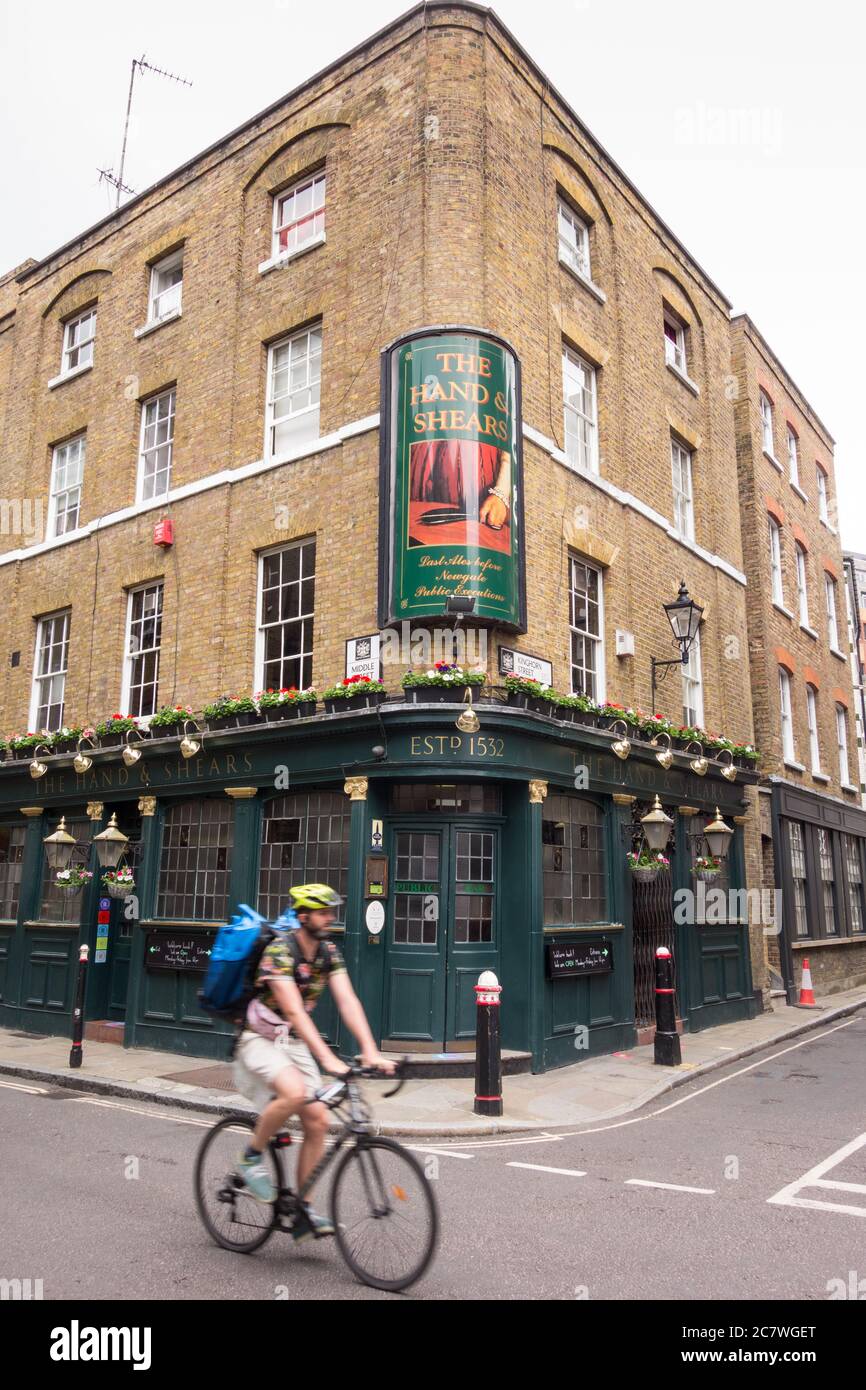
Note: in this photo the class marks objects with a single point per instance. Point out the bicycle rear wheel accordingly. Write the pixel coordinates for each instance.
(232, 1216)
(384, 1213)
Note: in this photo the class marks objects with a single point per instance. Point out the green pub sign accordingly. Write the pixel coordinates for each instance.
(451, 478)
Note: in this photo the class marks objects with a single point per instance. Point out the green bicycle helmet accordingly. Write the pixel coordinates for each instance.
(315, 897)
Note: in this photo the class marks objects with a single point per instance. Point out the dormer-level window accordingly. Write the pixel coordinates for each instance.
(78, 336)
(166, 288)
(767, 425)
(573, 240)
(675, 343)
(299, 215)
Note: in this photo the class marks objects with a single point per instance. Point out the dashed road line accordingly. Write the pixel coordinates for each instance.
(542, 1168)
(670, 1186)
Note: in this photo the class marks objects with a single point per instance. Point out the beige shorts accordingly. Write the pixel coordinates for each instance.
(258, 1061)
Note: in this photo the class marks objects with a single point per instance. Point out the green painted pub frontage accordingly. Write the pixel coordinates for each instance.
(457, 852)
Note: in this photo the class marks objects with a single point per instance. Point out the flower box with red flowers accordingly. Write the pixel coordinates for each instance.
(355, 692)
(112, 732)
(288, 703)
(444, 682)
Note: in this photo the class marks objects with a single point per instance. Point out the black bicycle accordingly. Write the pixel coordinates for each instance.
(382, 1205)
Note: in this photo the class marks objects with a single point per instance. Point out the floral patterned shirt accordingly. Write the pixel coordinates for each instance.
(278, 962)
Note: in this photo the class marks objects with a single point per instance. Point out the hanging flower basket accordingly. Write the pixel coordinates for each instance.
(71, 881)
(707, 869)
(646, 874)
(118, 883)
(644, 867)
(707, 875)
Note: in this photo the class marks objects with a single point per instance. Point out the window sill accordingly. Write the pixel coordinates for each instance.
(799, 491)
(591, 929)
(809, 631)
(588, 284)
(68, 376)
(774, 461)
(794, 767)
(686, 380)
(780, 608)
(276, 262)
(811, 943)
(153, 324)
(818, 776)
(846, 787)
(836, 652)
(824, 522)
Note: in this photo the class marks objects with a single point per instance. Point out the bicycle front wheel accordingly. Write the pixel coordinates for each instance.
(384, 1213)
(232, 1216)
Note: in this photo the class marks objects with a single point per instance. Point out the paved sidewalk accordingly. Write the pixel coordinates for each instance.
(597, 1089)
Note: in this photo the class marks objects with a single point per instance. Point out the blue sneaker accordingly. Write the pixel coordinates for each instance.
(309, 1223)
(256, 1178)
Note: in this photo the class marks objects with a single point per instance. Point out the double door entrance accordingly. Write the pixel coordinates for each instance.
(442, 930)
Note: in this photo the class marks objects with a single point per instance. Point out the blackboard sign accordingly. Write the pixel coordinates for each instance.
(178, 950)
(568, 958)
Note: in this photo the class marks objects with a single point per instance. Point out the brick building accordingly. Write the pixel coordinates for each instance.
(814, 830)
(855, 585)
(232, 351)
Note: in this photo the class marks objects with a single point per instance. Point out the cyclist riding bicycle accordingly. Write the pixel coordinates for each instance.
(279, 1045)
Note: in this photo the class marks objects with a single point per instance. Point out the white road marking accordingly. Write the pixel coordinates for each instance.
(787, 1196)
(540, 1168)
(151, 1114)
(448, 1153)
(670, 1186)
(31, 1090)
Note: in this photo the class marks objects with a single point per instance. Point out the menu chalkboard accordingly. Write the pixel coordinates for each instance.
(178, 950)
(568, 958)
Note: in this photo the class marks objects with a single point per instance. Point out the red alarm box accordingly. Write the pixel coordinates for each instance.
(163, 532)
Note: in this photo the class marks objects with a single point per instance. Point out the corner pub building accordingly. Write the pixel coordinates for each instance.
(317, 351)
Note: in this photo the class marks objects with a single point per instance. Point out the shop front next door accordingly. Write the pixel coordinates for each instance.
(442, 931)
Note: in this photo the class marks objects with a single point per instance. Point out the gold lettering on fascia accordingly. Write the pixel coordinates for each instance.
(482, 746)
(183, 769)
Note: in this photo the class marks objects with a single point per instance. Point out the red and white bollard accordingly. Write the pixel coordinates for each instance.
(488, 1050)
(667, 1050)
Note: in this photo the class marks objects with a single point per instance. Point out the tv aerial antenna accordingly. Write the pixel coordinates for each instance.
(138, 65)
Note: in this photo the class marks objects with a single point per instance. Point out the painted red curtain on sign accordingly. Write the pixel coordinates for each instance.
(457, 471)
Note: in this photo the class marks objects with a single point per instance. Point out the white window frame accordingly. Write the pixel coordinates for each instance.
(821, 480)
(580, 423)
(775, 536)
(573, 233)
(793, 458)
(682, 486)
(316, 216)
(812, 720)
(693, 685)
(307, 418)
(155, 313)
(596, 639)
(130, 656)
(789, 752)
(767, 425)
(802, 585)
(147, 449)
(832, 623)
(261, 627)
(675, 350)
(58, 674)
(79, 345)
(60, 508)
(842, 745)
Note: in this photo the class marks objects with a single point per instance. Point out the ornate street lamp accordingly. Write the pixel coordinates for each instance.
(110, 844)
(718, 836)
(59, 847)
(656, 827)
(684, 616)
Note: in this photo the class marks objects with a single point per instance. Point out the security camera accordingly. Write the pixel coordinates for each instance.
(378, 752)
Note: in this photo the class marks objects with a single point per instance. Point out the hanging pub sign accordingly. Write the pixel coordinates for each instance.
(451, 478)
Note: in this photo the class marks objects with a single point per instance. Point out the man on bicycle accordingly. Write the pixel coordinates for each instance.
(280, 1045)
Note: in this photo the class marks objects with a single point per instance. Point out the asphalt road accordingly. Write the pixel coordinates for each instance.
(732, 1222)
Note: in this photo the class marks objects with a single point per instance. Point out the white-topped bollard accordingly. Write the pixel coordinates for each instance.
(488, 1051)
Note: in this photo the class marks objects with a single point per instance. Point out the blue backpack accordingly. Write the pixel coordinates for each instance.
(229, 984)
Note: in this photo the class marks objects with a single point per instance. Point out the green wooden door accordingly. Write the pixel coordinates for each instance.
(441, 930)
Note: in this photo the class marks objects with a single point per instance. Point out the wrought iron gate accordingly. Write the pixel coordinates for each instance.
(653, 919)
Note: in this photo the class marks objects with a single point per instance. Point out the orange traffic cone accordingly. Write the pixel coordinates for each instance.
(807, 997)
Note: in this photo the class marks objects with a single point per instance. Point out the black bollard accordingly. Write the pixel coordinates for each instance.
(75, 1052)
(488, 1054)
(667, 1039)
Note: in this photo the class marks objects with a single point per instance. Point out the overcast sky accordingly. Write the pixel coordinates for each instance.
(742, 123)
